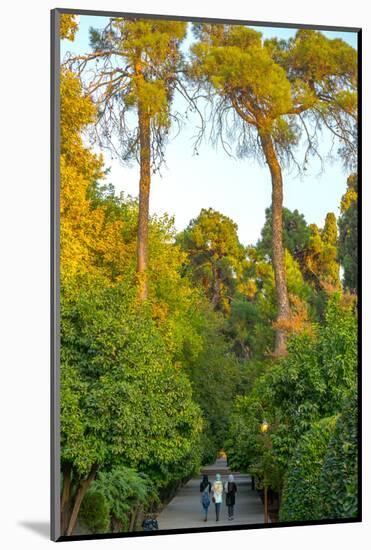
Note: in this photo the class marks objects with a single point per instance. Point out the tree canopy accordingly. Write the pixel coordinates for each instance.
(177, 344)
(215, 254)
(295, 235)
(265, 94)
(348, 234)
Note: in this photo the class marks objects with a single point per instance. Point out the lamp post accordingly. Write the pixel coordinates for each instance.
(264, 427)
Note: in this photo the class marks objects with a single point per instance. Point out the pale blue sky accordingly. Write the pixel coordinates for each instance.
(240, 189)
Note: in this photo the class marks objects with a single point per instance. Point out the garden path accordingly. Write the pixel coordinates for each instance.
(185, 510)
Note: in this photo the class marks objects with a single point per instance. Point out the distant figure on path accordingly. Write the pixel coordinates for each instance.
(217, 489)
(230, 489)
(205, 488)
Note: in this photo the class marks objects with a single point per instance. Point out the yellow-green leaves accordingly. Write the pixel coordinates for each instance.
(351, 194)
(264, 82)
(245, 73)
(155, 41)
(77, 112)
(138, 62)
(243, 37)
(321, 262)
(285, 132)
(215, 254)
(68, 26)
(154, 98)
(317, 59)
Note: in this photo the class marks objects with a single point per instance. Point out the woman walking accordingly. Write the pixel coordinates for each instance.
(205, 488)
(217, 489)
(231, 489)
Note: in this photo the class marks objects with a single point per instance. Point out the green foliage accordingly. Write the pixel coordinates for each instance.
(322, 478)
(348, 234)
(79, 167)
(339, 477)
(95, 512)
(243, 446)
(216, 376)
(295, 234)
(267, 83)
(119, 362)
(80, 446)
(139, 408)
(224, 60)
(301, 494)
(330, 230)
(144, 60)
(254, 306)
(149, 391)
(117, 495)
(215, 255)
(320, 262)
(323, 76)
(313, 382)
(339, 351)
(258, 90)
(250, 327)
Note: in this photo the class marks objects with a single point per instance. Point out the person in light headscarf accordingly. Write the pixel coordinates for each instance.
(230, 488)
(217, 490)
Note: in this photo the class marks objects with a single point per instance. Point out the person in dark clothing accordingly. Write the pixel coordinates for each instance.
(230, 499)
(205, 488)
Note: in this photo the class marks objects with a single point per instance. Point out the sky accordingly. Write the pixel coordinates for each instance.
(239, 189)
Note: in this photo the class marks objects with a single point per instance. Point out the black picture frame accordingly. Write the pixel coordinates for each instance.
(55, 479)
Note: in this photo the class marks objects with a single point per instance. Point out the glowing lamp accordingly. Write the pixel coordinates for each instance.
(264, 427)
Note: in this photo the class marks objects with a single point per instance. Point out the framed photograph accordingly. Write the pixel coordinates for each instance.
(206, 203)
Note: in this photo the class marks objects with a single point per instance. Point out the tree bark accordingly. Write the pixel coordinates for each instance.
(144, 191)
(133, 518)
(66, 497)
(278, 253)
(81, 492)
(215, 300)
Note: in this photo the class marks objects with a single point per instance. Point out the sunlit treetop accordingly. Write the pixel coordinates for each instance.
(330, 230)
(234, 62)
(268, 82)
(149, 41)
(351, 193)
(321, 262)
(151, 49)
(68, 26)
(134, 63)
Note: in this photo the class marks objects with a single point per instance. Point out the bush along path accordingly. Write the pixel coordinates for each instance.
(185, 509)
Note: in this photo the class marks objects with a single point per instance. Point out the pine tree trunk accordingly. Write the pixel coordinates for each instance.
(144, 190)
(278, 253)
(81, 492)
(215, 300)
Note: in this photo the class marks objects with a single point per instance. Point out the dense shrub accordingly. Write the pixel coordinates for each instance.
(339, 478)
(295, 393)
(95, 512)
(115, 498)
(131, 404)
(243, 446)
(301, 493)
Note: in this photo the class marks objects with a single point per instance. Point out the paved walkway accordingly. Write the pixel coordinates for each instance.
(185, 509)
